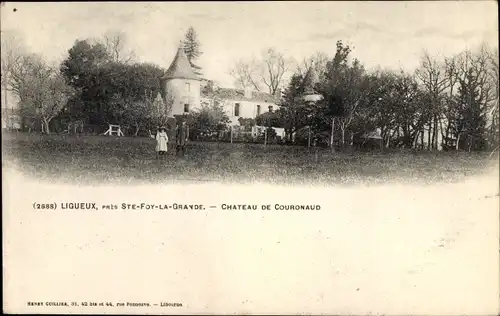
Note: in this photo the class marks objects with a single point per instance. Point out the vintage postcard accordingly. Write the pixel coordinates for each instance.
(250, 157)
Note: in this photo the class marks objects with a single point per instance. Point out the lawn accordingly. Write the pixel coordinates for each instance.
(91, 159)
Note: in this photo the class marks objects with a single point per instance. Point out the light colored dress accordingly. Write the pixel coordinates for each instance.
(161, 141)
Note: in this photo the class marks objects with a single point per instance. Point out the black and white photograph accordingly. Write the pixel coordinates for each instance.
(290, 157)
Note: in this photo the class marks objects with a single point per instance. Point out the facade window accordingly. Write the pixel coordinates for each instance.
(186, 108)
(258, 109)
(270, 108)
(236, 109)
(188, 87)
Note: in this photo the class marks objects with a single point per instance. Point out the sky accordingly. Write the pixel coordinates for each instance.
(382, 34)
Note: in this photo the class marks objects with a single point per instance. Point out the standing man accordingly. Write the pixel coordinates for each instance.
(181, 135)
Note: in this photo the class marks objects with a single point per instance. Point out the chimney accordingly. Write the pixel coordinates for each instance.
(248, 92)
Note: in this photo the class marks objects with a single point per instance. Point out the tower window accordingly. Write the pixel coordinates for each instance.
(258, 109)
(236, 109)
(186, 108)
(188, 87)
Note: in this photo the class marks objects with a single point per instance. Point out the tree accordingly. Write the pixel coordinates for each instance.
(12, 50)
(158, 116)
(470, 120)
(83, 70)
(140, 85)
(410, 110)
(209, 119)
(82, 62)
(475, 97)
(23, 72)
(247, 123)
(317, 61)
(147, 113)
(292, 109)
(192, 48)
(208, 89)
(343, 85)
(273, 69)
(494, 113)
(432, 76)
(270, 119)
(106, 87)
(449, 110)
(129, 94)
(42, 89)
(115, 43)
(267, 73)
(245, 74)
(377, 108)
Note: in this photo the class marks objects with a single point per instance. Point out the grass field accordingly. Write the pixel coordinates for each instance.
(91, 159)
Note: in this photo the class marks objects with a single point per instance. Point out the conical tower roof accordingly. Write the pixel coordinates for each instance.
(310, 80)
(180, 67)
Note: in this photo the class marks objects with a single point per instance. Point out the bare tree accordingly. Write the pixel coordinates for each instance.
(116, 46)
(475, 98)
(12, 50)
(432, 76)
(274, 67)
(318, 61)
(23, 72)
(245, 74)
(41, 88)
(451, 73)
(494, 126)
(266, 73)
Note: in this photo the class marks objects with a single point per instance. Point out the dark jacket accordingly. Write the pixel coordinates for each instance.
(181, 134)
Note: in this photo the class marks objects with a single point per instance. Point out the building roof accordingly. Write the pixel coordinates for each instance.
(239, 95)
(180, 67)
(310, 80)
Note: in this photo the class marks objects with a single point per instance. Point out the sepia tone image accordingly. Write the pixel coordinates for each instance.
(380, 117)
(155, 93)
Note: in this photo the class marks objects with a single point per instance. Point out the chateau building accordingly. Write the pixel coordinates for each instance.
(186, 91)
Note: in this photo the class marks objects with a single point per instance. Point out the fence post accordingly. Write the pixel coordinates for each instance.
(231, 134)
(309, 137)
(265, 137)
(331, 135)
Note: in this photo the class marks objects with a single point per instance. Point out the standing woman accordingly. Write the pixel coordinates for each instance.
(161, 141)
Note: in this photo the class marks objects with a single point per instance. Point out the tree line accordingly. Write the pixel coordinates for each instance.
(98, 83)
(450, 102)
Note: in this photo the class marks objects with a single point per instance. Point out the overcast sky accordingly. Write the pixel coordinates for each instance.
(386, 34)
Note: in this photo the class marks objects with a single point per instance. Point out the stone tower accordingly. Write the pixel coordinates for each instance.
(180, 86)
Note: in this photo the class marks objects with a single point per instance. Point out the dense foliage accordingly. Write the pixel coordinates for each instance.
(450, 103)
(453, 104)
